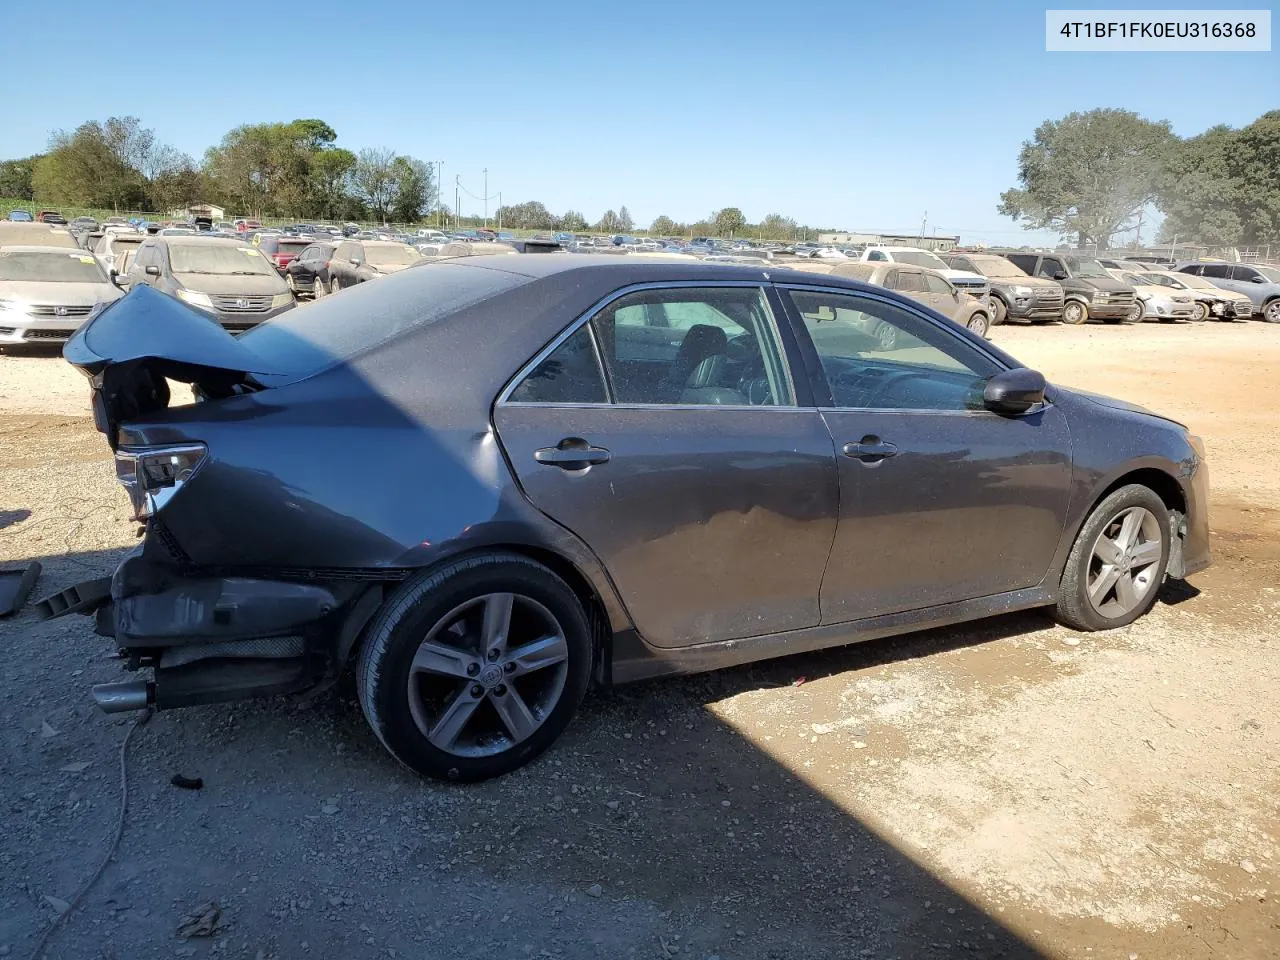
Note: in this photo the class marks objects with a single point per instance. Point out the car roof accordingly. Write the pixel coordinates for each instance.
(182, 239)
(37, 248)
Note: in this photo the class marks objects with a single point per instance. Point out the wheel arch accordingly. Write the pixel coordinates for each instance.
(599, 621)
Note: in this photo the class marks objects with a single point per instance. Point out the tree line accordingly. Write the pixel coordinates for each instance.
(1091, 176)
(264, 169)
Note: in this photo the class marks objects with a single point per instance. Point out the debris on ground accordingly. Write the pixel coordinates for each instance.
(187, 783)
(200, 922)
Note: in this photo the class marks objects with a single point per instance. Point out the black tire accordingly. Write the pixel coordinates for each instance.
(998, 311)
(1075, 312)
(317, 288)
(394, 636)
(1074, 608)
(1135, 314)
(1271, 311)
(980, 324)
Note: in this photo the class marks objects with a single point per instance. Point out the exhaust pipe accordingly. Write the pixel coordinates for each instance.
(122, 697)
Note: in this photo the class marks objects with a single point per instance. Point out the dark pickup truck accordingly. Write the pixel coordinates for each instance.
(1090, 292)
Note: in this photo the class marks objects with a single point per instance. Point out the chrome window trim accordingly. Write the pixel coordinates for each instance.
(504, 395)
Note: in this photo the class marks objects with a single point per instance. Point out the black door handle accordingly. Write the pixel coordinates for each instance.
(572, 453)
(870, 449)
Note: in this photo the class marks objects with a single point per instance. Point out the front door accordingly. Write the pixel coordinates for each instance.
(940, 499)
(683, 461)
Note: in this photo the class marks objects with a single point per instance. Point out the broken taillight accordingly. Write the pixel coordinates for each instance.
(152, 475)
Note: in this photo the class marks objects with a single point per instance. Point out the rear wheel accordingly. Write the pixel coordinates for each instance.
(887, 336)
(1117, 563)
(473, 670)
(1074, 312)
(1271, 311)
(335, 286)
(317, 288)
(291, 283)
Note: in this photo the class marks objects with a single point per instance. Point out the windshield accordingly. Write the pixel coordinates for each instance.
(1160, 279)
(918, 258)
(1088, 268)
(998, 267)
(51, 266)
(304, 342)
(393, 256)
(217, 257)
(1271, 273)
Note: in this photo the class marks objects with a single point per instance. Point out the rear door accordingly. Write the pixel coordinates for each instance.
(940, 499)
(702, 478)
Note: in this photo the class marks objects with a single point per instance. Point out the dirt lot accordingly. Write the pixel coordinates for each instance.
(1004, 789)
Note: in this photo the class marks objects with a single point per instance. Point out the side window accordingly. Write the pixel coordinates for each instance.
(1025, 263)
(569, 374)
(1239, 272)
(1216, 271)
(879, 356)
(909, 281)
(936, 284)
(876, 255)
(1050, 268)
(695, 346)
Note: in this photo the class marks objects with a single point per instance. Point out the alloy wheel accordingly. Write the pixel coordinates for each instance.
(317, 288)
(291, 283)
(1124, 562)
(1271, 312)
(1073, 312)
(488, 674)
(1200, 311)
(887, 336)
(979, 324)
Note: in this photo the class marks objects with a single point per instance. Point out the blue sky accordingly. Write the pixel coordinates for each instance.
(856, 115)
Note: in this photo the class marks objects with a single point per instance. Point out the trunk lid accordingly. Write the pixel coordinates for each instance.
(145, 338)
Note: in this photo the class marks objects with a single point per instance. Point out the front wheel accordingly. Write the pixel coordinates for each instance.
(1074, 312)
(1271, 312)
(998, 311)
(1117, 563)
(291, 283)
(317, 288)
(980, 324)
(1199, 311)
(1135, 313)
(335, 286)
(473, 670)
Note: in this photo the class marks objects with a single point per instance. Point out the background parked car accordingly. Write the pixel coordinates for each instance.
(1223, 304)
(116, 249)
(1014, 295)
(1090, 291)
(51, 216)
(46, 293)
(355, 261)
(1160, 302)
(231, 282)
(281, 250)
(968, 281)
(921, 284)
(20, 216)
(1260, 284)
(308, 272)
(36, 235)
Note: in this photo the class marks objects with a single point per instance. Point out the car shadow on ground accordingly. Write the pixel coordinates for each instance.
(652, 826)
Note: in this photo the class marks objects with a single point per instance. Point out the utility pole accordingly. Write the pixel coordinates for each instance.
(923, 223)
(486, 198)
(1137, 240)
(499, 209)
(457, 186)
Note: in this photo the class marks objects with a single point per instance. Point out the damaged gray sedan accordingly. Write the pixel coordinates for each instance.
(485, 485)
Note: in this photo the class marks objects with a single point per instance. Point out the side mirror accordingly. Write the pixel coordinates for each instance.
(1257, 280)
(1014, 391)
(356, 261)
(1060, 275)
(113, 277)
(153, 271)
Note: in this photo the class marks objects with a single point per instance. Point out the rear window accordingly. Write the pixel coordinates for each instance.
(304, 342)
(293, 246)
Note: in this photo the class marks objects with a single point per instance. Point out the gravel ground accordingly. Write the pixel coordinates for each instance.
(1008, 788)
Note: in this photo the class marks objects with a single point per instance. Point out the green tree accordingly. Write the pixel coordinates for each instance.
(412, 189)
(664, 226)
(1087, 175)
(609, 223)
(776, 227)
(265, 168)
(15, 177)
(83, 168)
(572, 222)
(625, 223)
(373, 180)
(728, 221)
(330, 169)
